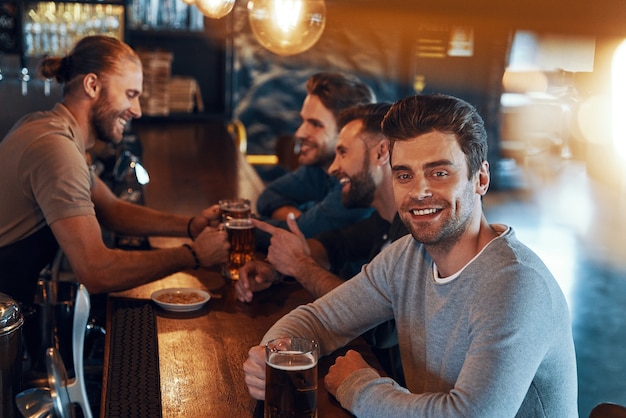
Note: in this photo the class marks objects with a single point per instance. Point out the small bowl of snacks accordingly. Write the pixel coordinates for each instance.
(180, 299)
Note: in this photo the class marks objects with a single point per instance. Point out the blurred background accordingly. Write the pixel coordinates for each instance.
(547, 77)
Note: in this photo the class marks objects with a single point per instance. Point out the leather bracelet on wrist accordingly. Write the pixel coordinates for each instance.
(189, 228)
(195, 256)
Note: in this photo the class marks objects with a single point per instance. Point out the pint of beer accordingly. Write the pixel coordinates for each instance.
(291, 378)
(234, 208)
(242, 245)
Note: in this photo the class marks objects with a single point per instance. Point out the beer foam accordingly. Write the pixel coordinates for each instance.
(235, 226)
(304, 361)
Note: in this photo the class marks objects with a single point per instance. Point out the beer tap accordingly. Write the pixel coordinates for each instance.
(24, 76)
(46, 87)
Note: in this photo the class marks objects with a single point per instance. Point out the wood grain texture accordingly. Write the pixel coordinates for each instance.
(201, 353)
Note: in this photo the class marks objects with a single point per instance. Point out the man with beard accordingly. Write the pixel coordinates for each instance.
(322, 263)
(309, 193)
(50, 198)
(483, 326)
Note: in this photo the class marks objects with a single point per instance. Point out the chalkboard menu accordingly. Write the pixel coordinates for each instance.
(10, 30)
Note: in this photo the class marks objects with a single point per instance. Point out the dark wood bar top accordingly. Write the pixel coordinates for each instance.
(201, 353)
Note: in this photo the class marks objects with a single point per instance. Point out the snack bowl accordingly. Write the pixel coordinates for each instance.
(180, 299)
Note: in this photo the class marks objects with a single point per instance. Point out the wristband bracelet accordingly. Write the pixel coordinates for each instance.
(195, 256)
(189, 228)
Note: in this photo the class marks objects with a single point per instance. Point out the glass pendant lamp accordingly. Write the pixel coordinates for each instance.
(214, 8)
(287, 27)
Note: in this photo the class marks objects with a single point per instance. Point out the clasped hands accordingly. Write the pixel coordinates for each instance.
(254, 371)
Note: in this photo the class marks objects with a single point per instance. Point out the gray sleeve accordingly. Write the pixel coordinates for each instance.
(504, 345)
(339, 316)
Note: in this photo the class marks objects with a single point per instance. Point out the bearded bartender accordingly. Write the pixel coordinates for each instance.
(51, 199)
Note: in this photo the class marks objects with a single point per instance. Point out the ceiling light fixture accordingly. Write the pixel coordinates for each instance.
(287, 27)
(215, 9)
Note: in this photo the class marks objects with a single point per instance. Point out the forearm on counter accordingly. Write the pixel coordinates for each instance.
(315, 279)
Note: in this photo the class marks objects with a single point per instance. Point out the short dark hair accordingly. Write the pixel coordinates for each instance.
(339, 91)
(96, 54)
(371, 115)
(417, 115)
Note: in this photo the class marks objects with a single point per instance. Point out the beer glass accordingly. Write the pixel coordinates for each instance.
(241, 238)
(234, 208)
(291, 378)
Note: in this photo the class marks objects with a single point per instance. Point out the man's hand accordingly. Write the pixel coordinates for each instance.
(344, 366)
(212, 247)
(254, 372)
(209, 217)
(287, 249)
(254, 276)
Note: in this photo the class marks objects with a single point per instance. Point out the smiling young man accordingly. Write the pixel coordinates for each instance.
(483, 327)
(309, 192)
(50, 198)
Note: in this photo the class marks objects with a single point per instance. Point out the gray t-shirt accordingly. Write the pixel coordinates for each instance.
(495, 341)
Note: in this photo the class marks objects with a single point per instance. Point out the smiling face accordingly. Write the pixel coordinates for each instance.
(352, 167)
(317, 133)
(435, 199)
(118, 102)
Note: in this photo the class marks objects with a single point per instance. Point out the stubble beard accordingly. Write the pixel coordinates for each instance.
(447, 233)
(362, 189)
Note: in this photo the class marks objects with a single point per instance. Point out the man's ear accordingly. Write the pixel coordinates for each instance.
(482, 179)
(91, 85)
(382, 152)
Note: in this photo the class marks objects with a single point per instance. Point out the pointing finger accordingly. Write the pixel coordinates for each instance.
(264, 226)
(293, 225)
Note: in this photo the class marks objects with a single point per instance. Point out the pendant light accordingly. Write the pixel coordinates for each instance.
(287, 27)
(215, 9)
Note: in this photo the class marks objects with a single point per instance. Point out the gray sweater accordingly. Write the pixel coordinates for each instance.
(495, 341)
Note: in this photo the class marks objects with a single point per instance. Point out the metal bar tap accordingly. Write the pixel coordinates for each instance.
(25, 78)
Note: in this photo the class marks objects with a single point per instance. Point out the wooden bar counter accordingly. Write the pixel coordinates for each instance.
(201, 353)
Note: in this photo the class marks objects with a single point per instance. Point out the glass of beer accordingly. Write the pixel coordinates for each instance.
(241, 238)
(291, 378)
(234, 208)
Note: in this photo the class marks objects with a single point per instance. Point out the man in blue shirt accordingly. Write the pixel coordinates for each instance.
(309, 192)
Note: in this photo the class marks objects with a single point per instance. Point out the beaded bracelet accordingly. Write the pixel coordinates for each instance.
(195, 256)
(189, 228)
